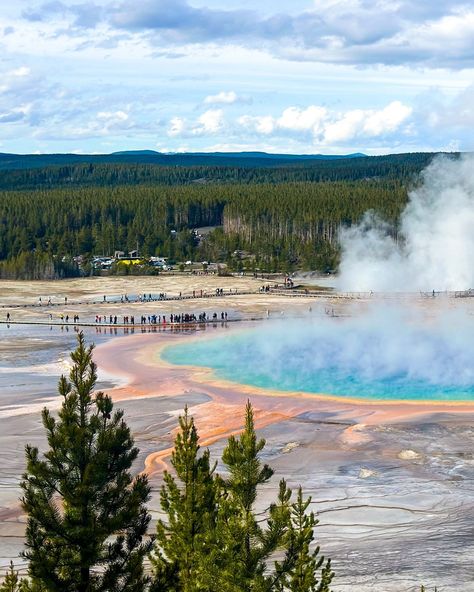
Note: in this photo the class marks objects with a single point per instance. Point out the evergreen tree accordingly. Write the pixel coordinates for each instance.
(86, 513)
(189, 501)
(244, 546)
(12, 581)
(246, 473)
(246, 543)
(304, 564)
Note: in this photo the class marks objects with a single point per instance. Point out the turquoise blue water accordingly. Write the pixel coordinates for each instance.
(346, 360)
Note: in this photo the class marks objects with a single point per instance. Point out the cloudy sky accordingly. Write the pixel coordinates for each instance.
(300, 76)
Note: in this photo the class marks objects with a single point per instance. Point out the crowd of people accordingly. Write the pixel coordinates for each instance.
(150, 319)
(125, 298)
(181, 318)
(158, 319)
(164, 296)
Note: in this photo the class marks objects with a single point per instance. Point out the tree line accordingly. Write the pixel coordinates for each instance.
(49, 171)
(38, 265)
(281, 226)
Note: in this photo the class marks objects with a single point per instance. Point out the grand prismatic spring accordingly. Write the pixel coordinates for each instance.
(381, 356)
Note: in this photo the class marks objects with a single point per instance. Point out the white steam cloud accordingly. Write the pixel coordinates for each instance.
(385, 343)
(435, 246)
(390, 352)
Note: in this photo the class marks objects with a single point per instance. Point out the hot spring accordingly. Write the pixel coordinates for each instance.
(386, 355)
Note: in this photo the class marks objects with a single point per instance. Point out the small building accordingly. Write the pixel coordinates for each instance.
(160, 262)
(102, 262)
(130, 261)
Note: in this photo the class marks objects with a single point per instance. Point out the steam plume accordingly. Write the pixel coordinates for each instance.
(435, 247)
(386, 352)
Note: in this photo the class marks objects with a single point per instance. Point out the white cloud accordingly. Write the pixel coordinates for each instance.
(345, 128)
(332, 31)
(112, 118)
(18, 80)
(176, 127)
(386, 120)
(22, 71)
(359, 123)
(17, 114)
(262, 124)
(452, 33)
(103, 125)
(444, 120)
(210, 122)
(310, 119)
(226, 98)
(330, 127)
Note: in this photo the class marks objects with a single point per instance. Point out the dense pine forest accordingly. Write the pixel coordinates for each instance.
(278, 217)
(65, 170)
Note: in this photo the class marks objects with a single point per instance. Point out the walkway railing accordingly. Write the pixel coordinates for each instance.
(272, 291)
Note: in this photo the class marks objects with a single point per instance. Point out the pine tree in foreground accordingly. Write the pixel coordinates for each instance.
(214, 540)
(11, 581)
(86, 513)
(244, 545)
(303, 575)
(189, 500)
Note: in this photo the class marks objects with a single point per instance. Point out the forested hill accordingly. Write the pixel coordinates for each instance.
(245, 159)
(50, 171)
(273, 216)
